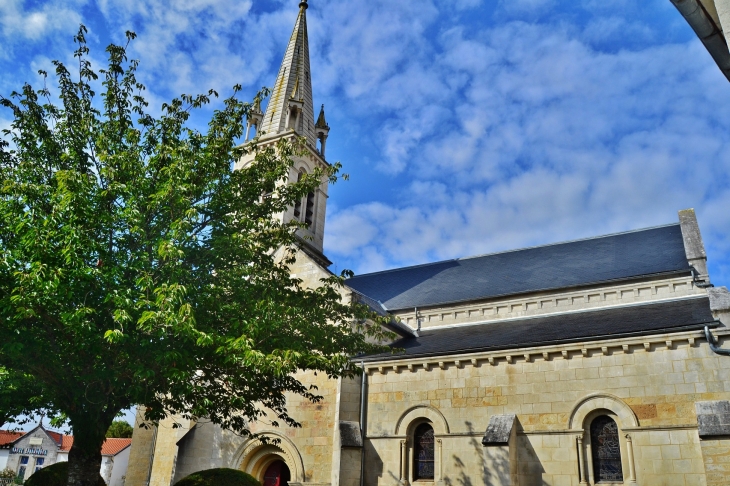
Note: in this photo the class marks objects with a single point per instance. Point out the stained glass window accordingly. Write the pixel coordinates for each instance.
(606, 450)
(423, 452)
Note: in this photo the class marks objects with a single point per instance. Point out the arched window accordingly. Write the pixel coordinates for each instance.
(423, 452)
(606, 450)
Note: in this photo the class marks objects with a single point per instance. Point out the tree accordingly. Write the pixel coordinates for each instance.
(136, 267)
(20, 395)
(120, 429)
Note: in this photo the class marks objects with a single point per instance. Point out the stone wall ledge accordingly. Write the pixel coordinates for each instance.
(455, 435)
(606, 347)
(549, 303)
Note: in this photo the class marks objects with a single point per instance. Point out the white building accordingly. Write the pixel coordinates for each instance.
(6, 438)
(27, 452)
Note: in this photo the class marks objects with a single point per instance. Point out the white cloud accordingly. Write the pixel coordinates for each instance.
(18, 24)
(517, 133)
(547, 140)
(526, 7)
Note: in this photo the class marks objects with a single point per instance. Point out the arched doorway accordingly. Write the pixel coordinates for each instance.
(277, 474)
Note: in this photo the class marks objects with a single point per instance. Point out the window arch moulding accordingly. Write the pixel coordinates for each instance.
(606, 401)
(418, 413)
(585, 411)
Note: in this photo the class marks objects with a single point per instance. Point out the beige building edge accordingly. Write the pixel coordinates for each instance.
(710, 19)
(511, 361)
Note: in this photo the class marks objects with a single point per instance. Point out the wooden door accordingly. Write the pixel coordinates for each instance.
(277, 474)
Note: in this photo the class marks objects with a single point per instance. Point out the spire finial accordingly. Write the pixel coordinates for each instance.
(321, 122)
(293, 87)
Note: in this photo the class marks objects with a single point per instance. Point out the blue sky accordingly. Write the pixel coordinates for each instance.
(467, 126)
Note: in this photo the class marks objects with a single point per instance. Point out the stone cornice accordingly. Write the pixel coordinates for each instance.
(550, 303)
(605, 347)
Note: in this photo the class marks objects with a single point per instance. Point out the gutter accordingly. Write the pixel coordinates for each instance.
(713, 344)
(708, 32)
(362, 423)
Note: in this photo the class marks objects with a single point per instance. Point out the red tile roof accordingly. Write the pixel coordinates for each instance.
(66, 442)
(6, 437)
(56, 436)
(112, 447)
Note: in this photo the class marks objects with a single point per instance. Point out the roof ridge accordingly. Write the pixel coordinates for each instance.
(639, 230)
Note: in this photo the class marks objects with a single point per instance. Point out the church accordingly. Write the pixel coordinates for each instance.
(595, 361)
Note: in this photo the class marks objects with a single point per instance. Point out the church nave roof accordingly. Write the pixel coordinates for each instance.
(622, 256)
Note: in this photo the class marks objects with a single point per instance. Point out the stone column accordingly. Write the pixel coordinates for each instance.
(583, 470)
(403, 463)
(437, 453)
(630, 454)
(323, 142)
(589, 460)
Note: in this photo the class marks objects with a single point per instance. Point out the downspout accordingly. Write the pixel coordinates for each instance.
(713, 342)
(708, 32)
(362, 424)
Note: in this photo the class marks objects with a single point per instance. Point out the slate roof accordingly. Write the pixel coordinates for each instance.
(634, 320)
(635, 254)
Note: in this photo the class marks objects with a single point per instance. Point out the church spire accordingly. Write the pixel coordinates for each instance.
(290, 105)
(290, 113)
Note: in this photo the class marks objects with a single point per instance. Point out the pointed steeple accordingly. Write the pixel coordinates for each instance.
(254, 118)
(321, 123)
(290, 103)
(289, 113)
(321, 130)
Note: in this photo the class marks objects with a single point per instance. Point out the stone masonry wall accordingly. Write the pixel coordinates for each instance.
(659, 385)
(716, 455)
(314, 440)
(140, 454)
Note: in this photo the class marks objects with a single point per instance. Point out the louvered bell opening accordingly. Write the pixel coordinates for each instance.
(310, 209)
(298, 204)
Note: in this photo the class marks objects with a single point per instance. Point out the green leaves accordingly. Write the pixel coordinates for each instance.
(137, 268)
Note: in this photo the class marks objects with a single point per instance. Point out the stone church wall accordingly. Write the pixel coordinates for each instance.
(314, 440)
(650, 390)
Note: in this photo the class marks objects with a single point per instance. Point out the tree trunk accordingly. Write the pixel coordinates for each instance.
(84, 466)
(84, 458)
